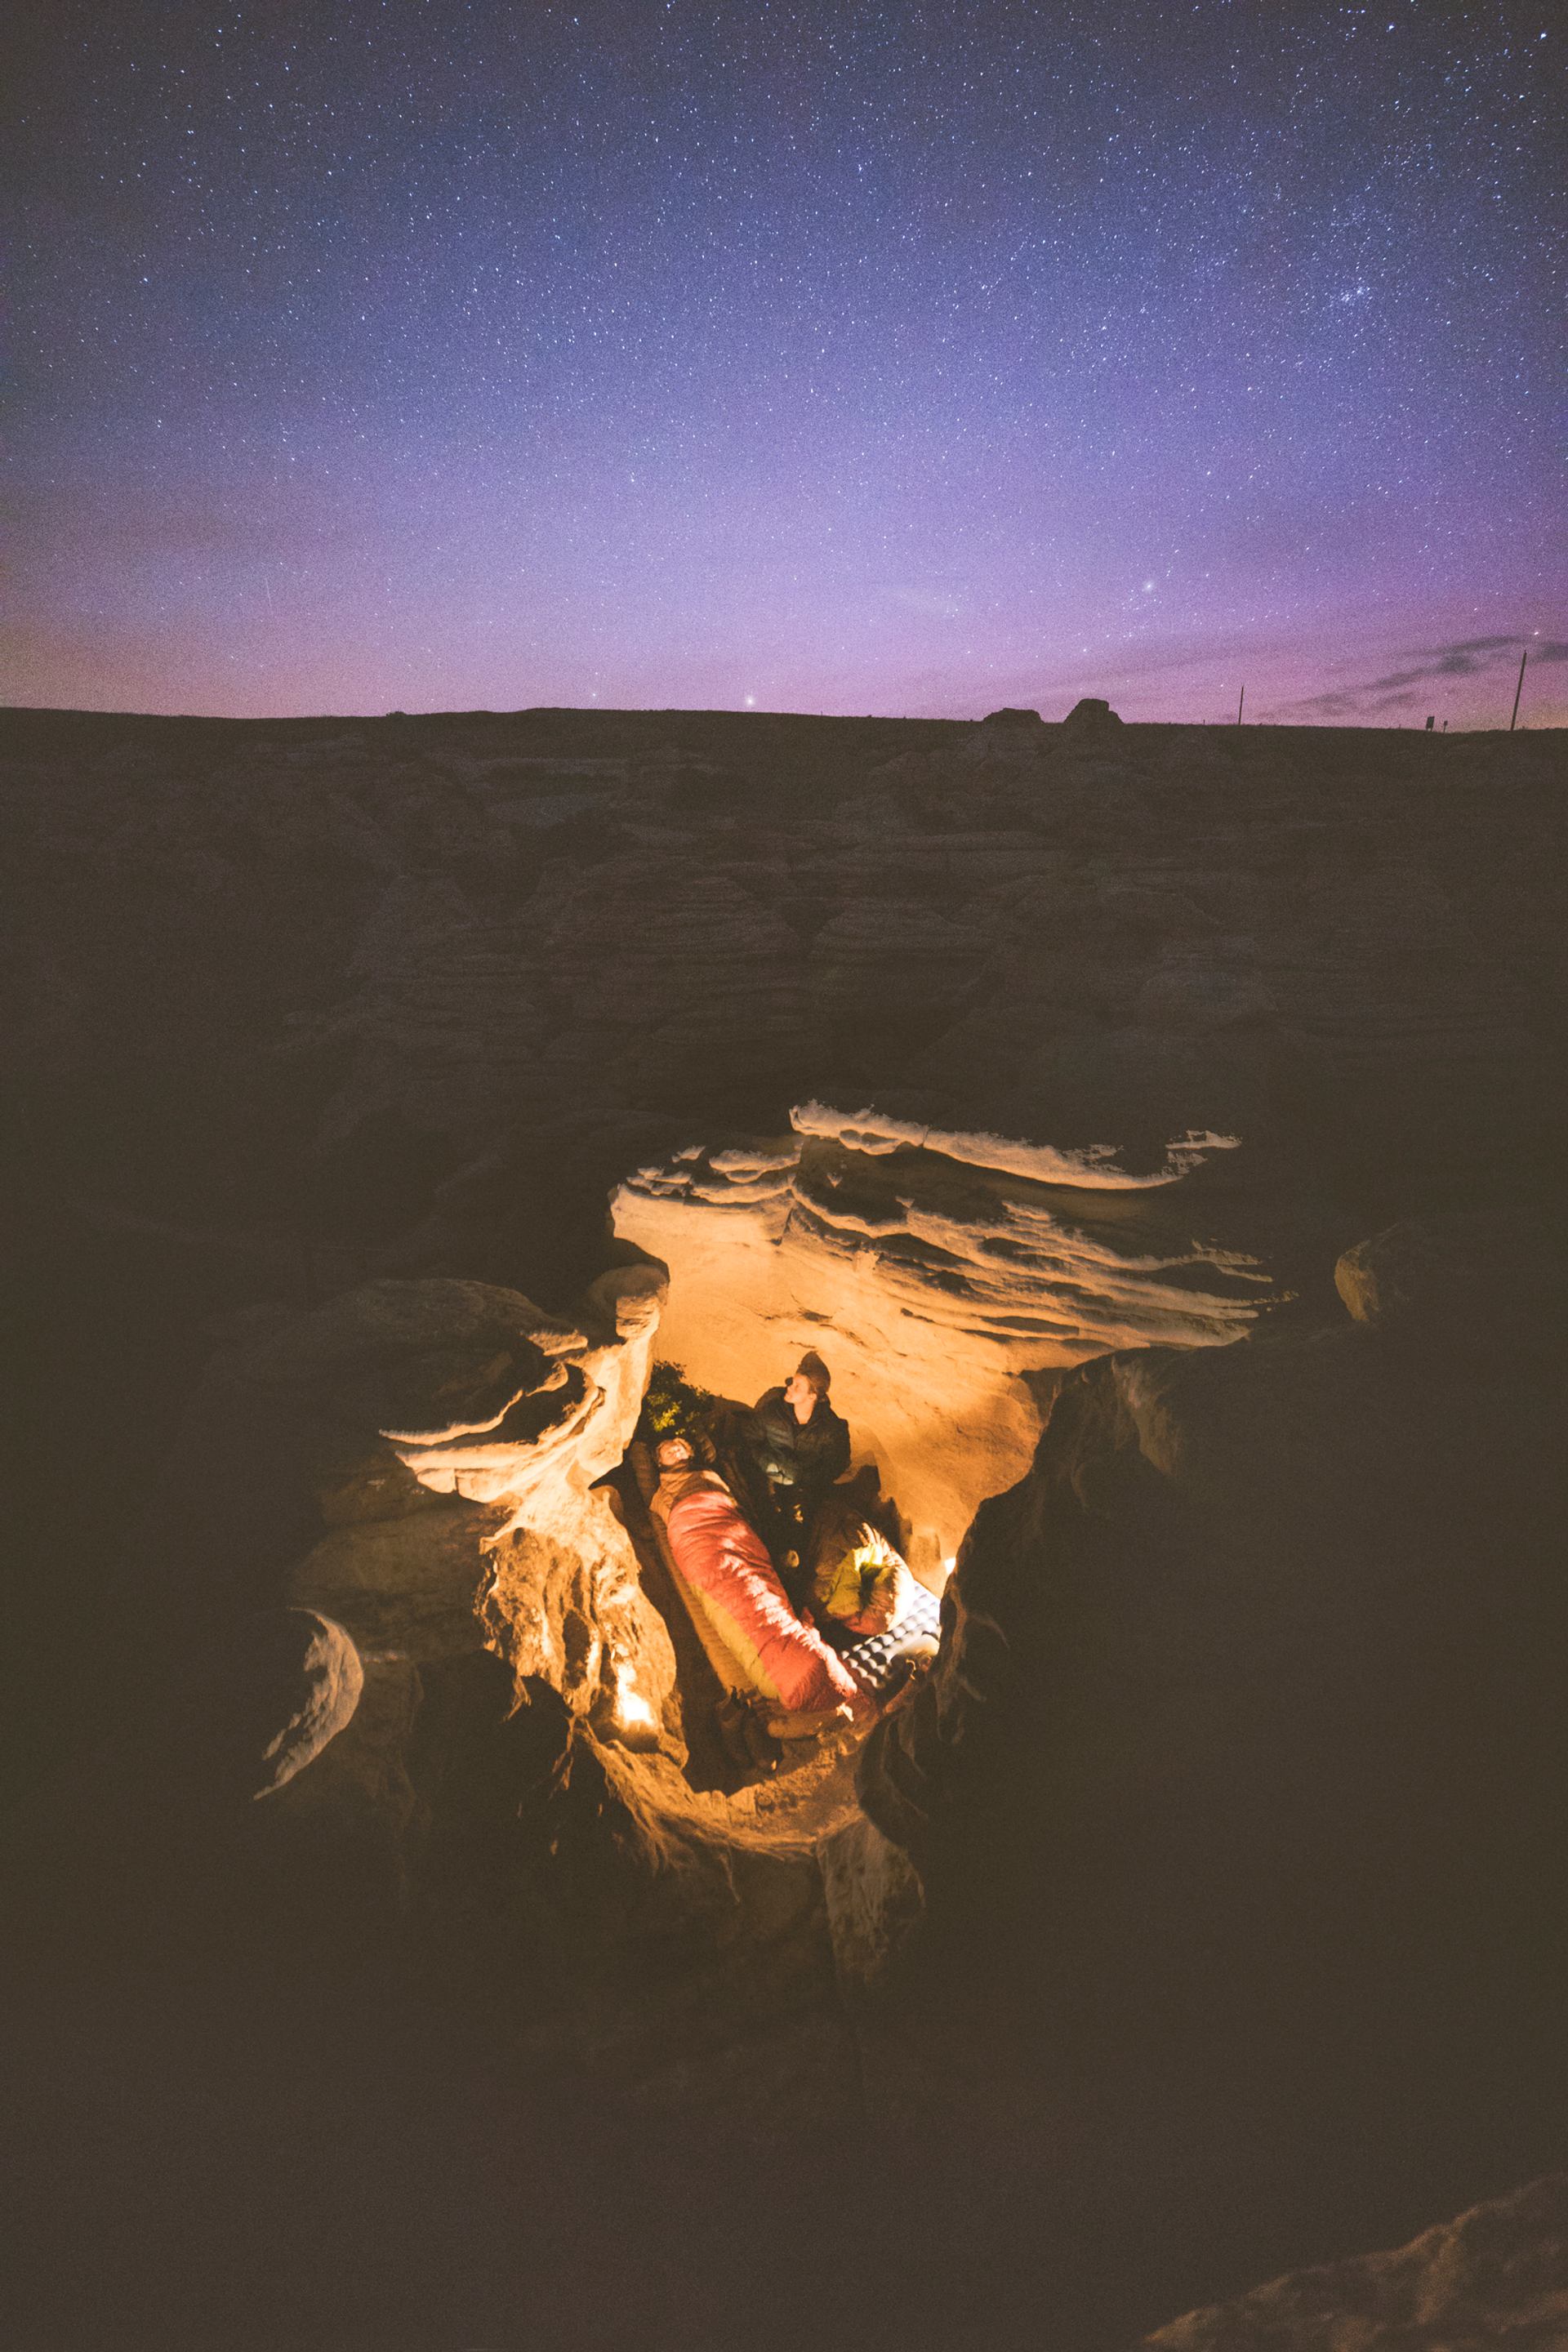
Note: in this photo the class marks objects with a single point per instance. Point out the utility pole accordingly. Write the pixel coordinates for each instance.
(1519, 689)
(1241, 697)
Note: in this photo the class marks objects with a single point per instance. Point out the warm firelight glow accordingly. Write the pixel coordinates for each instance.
(631, 1708)
(935, 1272)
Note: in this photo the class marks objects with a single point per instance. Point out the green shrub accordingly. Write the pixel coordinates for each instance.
(672, 1405)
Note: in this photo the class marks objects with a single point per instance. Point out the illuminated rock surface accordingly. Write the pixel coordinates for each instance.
(938, 1272)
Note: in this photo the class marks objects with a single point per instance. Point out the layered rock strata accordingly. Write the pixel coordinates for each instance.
(938, 1273)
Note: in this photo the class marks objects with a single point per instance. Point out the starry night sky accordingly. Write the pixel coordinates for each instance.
(403, 353)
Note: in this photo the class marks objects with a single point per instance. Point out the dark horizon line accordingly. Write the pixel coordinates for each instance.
(696, 710)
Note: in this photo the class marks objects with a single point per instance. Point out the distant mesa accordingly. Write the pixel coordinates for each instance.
(1092, 715)
(1006, 739)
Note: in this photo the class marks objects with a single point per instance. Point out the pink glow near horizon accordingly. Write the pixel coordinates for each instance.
(910, 361)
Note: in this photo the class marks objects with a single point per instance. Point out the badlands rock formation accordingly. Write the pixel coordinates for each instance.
(1064, 1085)
(944, 1273)
(576, 940)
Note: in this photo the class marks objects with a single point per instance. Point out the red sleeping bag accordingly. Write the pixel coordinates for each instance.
(725, 1563)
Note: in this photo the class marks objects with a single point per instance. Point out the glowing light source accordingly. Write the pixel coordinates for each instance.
(631, 1708)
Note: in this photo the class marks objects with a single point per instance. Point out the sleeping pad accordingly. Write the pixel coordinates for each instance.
(726, 1564)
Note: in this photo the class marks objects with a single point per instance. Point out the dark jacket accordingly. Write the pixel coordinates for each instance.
(806, 1455)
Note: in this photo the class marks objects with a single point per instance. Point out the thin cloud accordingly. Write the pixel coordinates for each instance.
(1465, 658)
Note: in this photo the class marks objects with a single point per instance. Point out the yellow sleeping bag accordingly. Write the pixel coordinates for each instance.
(856, 1577)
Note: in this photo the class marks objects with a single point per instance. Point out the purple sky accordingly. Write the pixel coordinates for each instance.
(376, 353)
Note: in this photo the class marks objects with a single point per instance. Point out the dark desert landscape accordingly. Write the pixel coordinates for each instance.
(781, 939)
(1200, 1918)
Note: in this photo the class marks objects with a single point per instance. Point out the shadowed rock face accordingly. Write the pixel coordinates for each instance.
(1490, 1287)
(1243, 1594)
(1497, 2276)
(1246, 1741)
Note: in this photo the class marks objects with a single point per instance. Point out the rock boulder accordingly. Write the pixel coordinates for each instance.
(293, 1682)
(1246, 1734)
(1496, 2277)
(1092, 715)
(1490, 1282)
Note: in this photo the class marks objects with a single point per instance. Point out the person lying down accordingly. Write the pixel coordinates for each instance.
(725, 1563)
(865, 1593)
